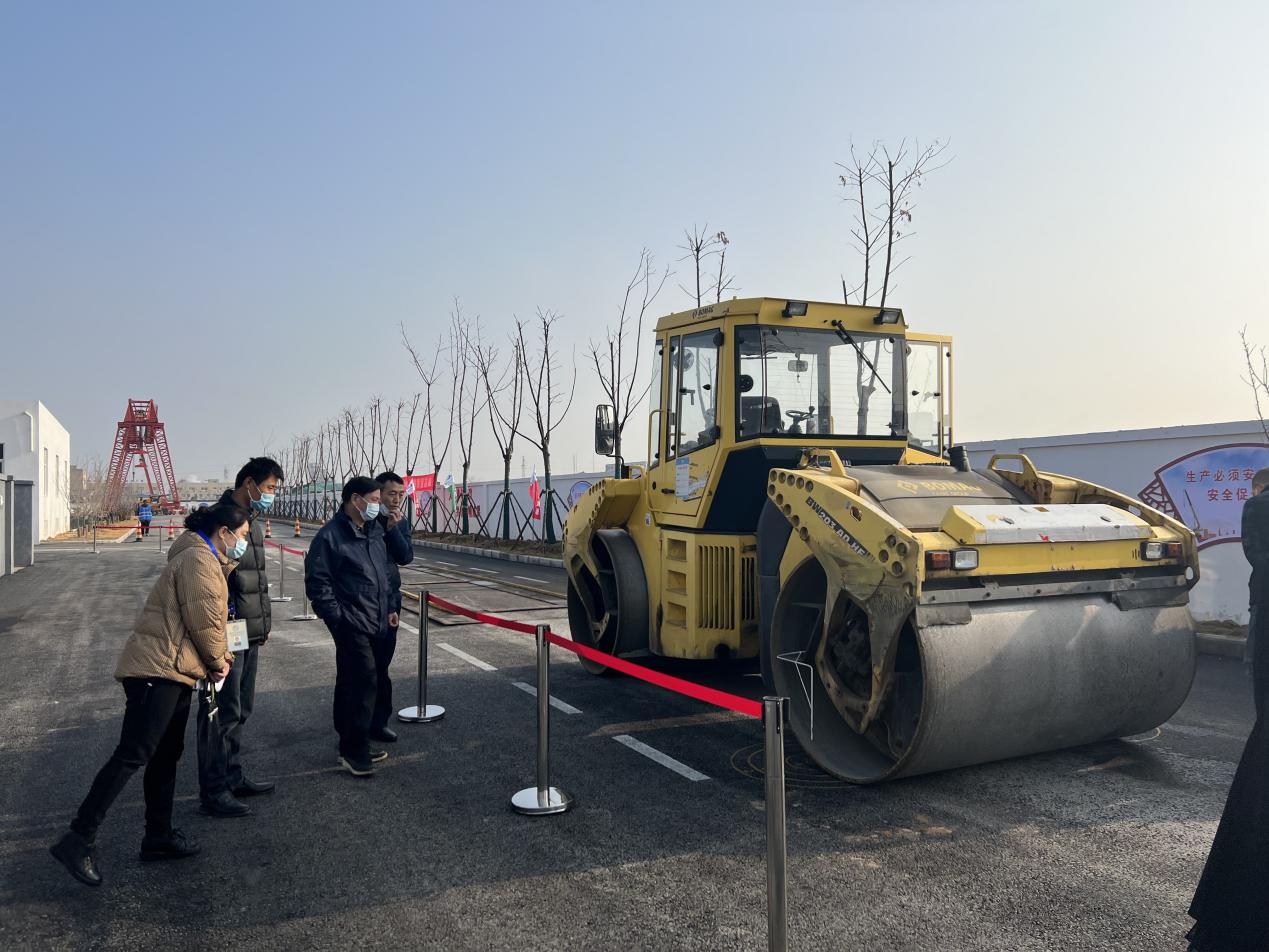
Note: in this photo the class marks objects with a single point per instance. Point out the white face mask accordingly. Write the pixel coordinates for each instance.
(371, 511)
(237, 549)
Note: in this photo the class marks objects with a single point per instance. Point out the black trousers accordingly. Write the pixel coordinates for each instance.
(356, 684)
(220, 737)
(153, 737)
(384, 648)
(145, 527)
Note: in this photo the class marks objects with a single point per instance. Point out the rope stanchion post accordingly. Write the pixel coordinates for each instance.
(773, 710)
(94, 538)
(282, 596)
(307, 614)
(542, 799)
(422, 712)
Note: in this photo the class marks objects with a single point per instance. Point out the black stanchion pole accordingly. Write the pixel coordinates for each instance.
(422, 712)
(542, 799)
(773, 709)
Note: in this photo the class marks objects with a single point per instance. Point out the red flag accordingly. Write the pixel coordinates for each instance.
(420, 484)
(535, 494)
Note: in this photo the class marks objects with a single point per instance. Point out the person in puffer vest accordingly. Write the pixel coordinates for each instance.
(179, 639)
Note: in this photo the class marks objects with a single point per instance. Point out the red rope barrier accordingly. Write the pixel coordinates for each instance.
(284, 548)
(731, 702)
(520, 626)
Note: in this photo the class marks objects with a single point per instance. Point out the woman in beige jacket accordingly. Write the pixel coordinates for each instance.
(179, 639)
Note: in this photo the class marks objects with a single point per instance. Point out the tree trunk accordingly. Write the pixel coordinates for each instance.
(548, 509)
(465, 501)
(506, 497)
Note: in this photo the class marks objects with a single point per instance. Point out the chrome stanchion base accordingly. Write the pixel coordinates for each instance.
(307, 617)
(534, 802)
(411, 715)
(279, 598)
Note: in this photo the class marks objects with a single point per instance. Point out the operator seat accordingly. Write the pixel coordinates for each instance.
(760, 415)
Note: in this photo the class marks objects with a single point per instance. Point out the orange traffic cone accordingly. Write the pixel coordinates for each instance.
(171, 533)
(139, 530)
(297, 528)
(268, 529)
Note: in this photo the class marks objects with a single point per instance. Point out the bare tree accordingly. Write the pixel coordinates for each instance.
(466, 343)
(619, 374)
(504, 399)
(546, 393)
(1257, 378)
(725, 282)
(698, 246)
(437, 375)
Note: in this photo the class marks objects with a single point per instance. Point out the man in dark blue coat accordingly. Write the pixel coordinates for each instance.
(346, 578)
(396, 537)
(1229, 906)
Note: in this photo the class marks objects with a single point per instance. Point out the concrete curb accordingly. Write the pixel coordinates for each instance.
(491, 553)
(1224, 646)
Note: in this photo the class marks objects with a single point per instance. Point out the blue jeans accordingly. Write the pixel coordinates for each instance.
(220, 738)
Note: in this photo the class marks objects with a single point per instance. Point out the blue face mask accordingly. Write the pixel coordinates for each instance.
(372, 511)
(264, 503)
(239, 549)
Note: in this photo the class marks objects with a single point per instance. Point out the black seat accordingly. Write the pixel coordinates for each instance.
(760, 415)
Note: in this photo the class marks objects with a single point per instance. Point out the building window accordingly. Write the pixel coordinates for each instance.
(1, 459)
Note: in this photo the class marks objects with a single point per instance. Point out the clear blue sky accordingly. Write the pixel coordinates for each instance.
(252, 196)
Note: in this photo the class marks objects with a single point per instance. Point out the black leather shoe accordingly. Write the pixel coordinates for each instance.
(253, 788)
(172, 845)
(384, 735)
(224, 805)
(79, 858)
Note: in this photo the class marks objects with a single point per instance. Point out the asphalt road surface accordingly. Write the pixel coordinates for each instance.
(1090, 849)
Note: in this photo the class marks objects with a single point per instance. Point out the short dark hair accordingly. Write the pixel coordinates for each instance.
(359, 486)
(389, 477)
(258, 469)
(1260, 480)
(211, 518)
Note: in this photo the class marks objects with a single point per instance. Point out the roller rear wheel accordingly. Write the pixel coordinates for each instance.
(609, 612)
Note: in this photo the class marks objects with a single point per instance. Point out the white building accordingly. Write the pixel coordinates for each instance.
(1200, 474)
(35, 446)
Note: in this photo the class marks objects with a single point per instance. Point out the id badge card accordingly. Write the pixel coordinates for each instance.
(236, 632)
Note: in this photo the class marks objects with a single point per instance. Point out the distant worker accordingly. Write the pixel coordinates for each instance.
(396, 537)
(145, 513)
(346, 578)
(1229, 910)
(221, 781)
(179, 638)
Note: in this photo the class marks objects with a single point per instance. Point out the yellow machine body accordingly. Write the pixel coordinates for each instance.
(803, 503)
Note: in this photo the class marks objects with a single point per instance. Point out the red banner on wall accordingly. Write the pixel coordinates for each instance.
(420, 484)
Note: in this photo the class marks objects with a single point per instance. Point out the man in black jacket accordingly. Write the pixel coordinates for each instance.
(1229, 904)
(396, 537)
(221, 781)
(346, 578)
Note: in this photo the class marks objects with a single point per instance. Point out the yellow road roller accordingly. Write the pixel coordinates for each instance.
(803, 502)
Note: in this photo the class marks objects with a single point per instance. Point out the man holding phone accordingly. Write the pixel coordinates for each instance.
(396, 537)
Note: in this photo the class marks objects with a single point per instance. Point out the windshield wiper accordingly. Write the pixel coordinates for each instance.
(845, 335)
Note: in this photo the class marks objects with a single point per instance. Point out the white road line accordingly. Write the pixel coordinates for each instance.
(525, 578)
(490, 571)
(665, 760)
(408, 627)
(555, 702)
(482, 665)
(450, 564)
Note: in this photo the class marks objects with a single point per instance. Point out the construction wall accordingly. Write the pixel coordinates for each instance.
(1185, 470)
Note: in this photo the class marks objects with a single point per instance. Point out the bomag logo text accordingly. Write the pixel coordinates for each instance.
(838, 529)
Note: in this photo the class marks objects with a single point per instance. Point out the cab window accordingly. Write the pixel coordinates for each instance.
(693, 393)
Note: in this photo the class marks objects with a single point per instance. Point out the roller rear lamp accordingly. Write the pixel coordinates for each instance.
(1154, 551)
(960, 560)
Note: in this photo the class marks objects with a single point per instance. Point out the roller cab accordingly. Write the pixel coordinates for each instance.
(803, 502)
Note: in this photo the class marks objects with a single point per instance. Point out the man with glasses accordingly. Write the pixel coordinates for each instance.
(396, 537)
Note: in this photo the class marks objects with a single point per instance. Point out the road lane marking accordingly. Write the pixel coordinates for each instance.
(458, 653)
(526, 578)
(555, 702)
(408, 627)
(489, 571)
(450, 564)
(661, 723)
(665, 760)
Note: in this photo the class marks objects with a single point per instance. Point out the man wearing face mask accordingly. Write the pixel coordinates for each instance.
(346, 578)
(396, 537)
(221, 781)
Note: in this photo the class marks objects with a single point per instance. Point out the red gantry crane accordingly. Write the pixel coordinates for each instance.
(141, 434)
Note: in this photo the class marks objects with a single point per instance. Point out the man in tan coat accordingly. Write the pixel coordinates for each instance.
(179, 639)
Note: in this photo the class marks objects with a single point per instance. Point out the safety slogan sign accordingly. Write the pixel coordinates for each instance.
(1206, 490)
(420, 484)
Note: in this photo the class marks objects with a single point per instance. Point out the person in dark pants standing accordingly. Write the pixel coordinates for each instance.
(396, 537)
(1229, 909)
(346, 578)
(221, 781)
(179, 638)
(145, 515)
